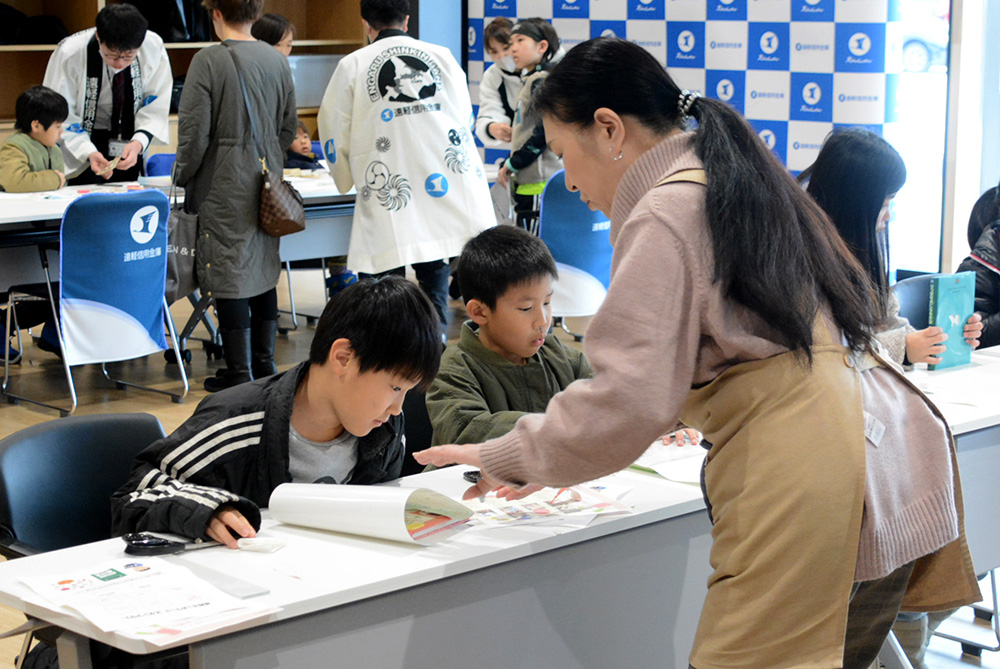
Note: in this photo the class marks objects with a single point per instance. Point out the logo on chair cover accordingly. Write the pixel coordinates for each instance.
(143, 224)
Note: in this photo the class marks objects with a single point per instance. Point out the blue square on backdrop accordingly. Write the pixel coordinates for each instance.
(727, 85)
(474, 39)
(877, 128)
(506, 8)
(607, 29)
(767, 46)
(685, 44)
(570, 9)
(891, 98)
(812, 10)
(647, 9)
(811, 95)
(493, 155)
(727, 10)
(860, 47)
(775, 135)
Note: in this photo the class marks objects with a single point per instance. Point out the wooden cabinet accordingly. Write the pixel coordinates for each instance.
(322, 26)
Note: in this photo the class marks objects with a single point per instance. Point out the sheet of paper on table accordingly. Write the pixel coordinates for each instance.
(147, 598)
(681, 464)
(575, 506)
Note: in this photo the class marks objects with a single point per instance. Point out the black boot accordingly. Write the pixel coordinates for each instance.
(236, 351)
(262, 336)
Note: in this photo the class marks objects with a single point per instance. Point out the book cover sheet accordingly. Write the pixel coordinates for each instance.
(952, 302)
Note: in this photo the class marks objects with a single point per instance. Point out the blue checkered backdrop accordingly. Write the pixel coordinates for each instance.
(796, 69)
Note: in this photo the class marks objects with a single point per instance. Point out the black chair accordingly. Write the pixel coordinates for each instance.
(57, 478)
(914, 295)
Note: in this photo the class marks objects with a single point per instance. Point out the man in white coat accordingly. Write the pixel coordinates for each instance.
(116, 78)
(395, 121)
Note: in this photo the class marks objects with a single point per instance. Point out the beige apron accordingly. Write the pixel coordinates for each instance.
(786, 482)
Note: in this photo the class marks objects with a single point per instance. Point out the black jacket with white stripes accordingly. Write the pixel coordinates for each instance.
(233, 450)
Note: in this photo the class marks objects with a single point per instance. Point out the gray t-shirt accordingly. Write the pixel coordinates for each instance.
(321, 461)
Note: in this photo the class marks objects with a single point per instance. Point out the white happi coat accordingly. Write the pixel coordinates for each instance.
(66, 74)
(395, 121)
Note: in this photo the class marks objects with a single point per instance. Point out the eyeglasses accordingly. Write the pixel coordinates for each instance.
(119, 56)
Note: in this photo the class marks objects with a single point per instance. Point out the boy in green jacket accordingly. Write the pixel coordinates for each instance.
(505, 363)
(30, 159)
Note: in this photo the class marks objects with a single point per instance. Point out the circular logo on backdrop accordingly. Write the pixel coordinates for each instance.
(330, 150)
(812, 93)
(813, 2)
(143, 223)
(768, 137)
(436, 185)
(769, 42)
(608, 32)
(727, 2)
(646, 2)
(685, 41)
(859, 44)
(472, 36)
(724, 90)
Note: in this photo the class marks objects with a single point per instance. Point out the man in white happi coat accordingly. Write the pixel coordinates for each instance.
(395, 122)
(116, 78)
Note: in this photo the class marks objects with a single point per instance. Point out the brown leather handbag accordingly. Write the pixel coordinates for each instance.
(281, 210)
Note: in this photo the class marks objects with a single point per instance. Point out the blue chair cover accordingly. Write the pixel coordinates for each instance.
(160, 164)
(575, 235)
(113, 266)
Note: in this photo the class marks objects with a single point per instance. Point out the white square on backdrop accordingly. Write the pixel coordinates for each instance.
(571, 31)
(812, 46)
(767, 96)
(859, 97)
(771, 10)
(689, 79)
(726, 45)
(861, 11)
(608, 10)
(530, 8)
(805, 138)
(476, 8)
(686, 10)
(650, 35)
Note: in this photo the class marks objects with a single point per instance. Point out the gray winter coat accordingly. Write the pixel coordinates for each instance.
(218, 163)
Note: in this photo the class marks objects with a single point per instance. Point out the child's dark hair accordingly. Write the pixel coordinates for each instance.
(499, 258)
(121, 27)
(497, 30)
(272, 28)
(855, 171)
(391, 325)
(774, 250)
(538, 30)
(303, 127)
(236, 12)
(985, 211)
(380, 14)
(41, 104)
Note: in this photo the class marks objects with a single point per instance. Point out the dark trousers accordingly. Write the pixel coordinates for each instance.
(526, 212)
(432, 277)
(246, 313)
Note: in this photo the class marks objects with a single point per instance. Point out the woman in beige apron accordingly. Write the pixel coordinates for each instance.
(735, 307)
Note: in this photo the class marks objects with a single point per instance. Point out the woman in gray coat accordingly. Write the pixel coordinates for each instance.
(219, 166)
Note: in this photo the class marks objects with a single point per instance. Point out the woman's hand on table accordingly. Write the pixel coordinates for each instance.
(683, 436)
(468, 454)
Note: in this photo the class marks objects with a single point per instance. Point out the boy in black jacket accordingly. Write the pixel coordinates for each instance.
(334, 419)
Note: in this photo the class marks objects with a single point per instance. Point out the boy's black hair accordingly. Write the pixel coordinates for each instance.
(381, 14)
(41, 104)
(121, 27)
(538, 30)
(499, 258)
(391, 325)
(271, 28)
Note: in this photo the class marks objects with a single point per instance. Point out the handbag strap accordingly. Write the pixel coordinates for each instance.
(250, 115)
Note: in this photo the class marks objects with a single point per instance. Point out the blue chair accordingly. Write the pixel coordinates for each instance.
(112, 266)
(160, 164)
(914, 295)
(578, 240)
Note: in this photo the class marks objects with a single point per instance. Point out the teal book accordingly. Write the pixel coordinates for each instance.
(952, 301)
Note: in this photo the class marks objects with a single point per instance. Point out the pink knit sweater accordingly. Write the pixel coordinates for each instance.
(665, 327)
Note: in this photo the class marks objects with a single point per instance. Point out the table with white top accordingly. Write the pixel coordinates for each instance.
(328, 225)
(623, 591)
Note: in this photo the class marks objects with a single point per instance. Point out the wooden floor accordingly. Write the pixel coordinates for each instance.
(41, 374)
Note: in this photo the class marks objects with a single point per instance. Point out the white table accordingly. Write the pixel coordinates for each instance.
(623, 591)
(328, 226)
